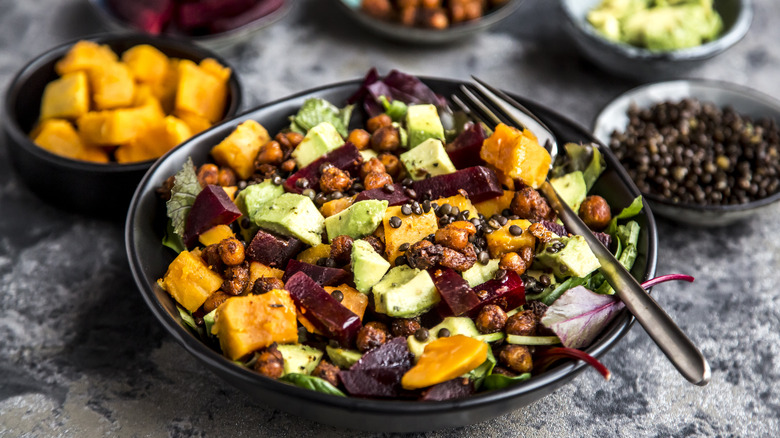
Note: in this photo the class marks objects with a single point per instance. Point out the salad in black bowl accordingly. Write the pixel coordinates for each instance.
(391, 258)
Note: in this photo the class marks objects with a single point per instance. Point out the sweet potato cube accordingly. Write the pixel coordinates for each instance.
(190, 281)
(517, 154)
(66, 97)
(200, 91)
(85, 55)
(413, 229)
(165, 91)
(196, 123)
(353, 300)
(461, 202)
(154, 141)
(112, 86)
(496, 205)
(119, 126)
(146, 63)
(502, 241)
(316, 252)
(60, 137)
(216, 69)
(248, 323)
(215, 234)
(239, 149)
(259, 270)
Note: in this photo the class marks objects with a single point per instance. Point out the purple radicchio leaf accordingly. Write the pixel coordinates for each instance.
(395, 86)
(579, 315)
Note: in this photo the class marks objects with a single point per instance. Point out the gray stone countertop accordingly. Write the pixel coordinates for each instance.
(82, 356)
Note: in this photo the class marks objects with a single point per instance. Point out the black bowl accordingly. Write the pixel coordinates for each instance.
(149, 260)
(639, 63)
(80, 186)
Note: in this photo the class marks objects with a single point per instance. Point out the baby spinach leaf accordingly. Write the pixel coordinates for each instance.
(173, 240)
(185, 189)
(499, 381)
(628, 212)
(312, 383)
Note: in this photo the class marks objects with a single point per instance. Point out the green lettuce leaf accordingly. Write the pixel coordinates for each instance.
(173, 240)
(395, 109)
(499, 381)
(479, 373)
(312, 383)
(187, 318)
(185, 189)
(628, 212)
(315, 111)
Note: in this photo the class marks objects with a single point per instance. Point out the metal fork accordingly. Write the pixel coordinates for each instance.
(491, 106)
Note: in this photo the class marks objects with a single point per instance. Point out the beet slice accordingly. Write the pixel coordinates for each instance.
(458, 298)
(464, 150)
(507, 292)
(212, 207)
(480, 183)
(148, 15)
(272, 249)
(345, 157)
(322, 310)
(396, 197)
(451, 389)
(378, 373)
(324, 276)
(259, 10)
(201, 13)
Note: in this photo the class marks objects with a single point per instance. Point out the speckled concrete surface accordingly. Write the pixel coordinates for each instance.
(81, 356)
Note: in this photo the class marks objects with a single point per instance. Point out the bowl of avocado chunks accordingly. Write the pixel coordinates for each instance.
(354, 268)
(654, 39)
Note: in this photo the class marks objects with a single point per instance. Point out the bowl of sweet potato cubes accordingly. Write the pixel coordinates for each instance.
(87, 119)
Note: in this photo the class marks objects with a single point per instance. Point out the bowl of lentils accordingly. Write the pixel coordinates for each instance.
(702, 152)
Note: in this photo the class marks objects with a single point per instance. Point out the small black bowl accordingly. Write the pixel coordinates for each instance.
(149, 260)
(84, 187)
(643, 64)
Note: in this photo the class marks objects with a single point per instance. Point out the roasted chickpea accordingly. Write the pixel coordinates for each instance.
(288, 165)
(372, 335)
(327, 371)
(408, 3)
(385, 139)
(270, 153)
(376, 180)
(295, 138)
(519, 263)
(517, 358)
(392, 164)
(491, 319)
(372, 165)
(208, 174)
(334, 179)
(405, 327)
(595, 212)
(375, 243)
(231, 251)
(236, 279)
(226, 177)
(266, 284)
(522, 323)
(270, 362)
(529, 204)
(214, 300)
(360, 138)
(210, 255)
(452, 237)
(408, 15)
(473, 10)
(458, 260)
(376, 122)
(341, 249)
(434, 18)
(430, 4)
(464, 225)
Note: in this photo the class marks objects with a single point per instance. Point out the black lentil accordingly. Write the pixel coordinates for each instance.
(406, 210)
(388, 188)
(395, 221)
(403, 247)
(338, 295)
(421, 334)
(483, 257)
(515, 230)
(443, 333)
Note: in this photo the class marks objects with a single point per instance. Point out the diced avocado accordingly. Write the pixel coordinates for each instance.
(299, 358)
(343, 358)
(253, 197)
(457, 325)
(574, 259)
(405, 293)
(368, 154)
(358, 220)
(422, 123)
(480, 273)
(428, 158)
(368, 266)
(538, 275)
(320, 140)
(292, 215)
(572, 189)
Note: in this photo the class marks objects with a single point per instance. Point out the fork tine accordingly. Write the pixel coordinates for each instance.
(509, 99)
(490, 117)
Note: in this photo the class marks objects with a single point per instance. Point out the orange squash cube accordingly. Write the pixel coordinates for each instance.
(112, 86)
(60, 137)
(66, 97)
(461, 202)
(154, 141)
(239, 149)
(190, 281)
(413, 229)
(119, 126)
(215, 234)
(445, 359)
(165, 91)
(316, 252)
(259, 270)
(83, 56)
(146, 63)
(496, 205)
(248, 323)
(502, 241)
(196, 123)
(200, 91)
(517, 154)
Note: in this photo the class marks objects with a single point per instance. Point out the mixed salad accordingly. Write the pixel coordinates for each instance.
(411, 257)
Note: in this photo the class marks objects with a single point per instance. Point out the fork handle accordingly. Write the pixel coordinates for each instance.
(677, 347)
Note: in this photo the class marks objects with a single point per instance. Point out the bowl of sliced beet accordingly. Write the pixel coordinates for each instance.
(360, 252)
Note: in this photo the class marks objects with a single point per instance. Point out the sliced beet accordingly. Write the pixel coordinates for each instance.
(464, 150)
(212, 207)
(479, 182)
(508, 293)
(451, 389)
(345, 158)
(378, 373)
(201, 13)
(259, 10)
(323, 275)
(272, 249)
(148, 15)
(458, 298)
(322, 310)
(394, 197)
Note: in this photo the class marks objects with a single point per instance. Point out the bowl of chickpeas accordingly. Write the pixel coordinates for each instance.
(428, 21)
